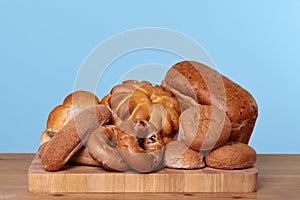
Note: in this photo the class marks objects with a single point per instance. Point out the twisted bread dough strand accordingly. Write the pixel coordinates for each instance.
(142, 101)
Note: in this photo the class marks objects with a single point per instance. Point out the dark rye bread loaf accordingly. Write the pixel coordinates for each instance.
(195, 83)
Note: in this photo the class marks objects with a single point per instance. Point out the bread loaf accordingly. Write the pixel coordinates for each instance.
(194, 83)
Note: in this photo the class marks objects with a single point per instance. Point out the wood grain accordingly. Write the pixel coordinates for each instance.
(96, 179)
(279, 178)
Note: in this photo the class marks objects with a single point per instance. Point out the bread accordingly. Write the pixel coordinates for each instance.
(142, 101)
(42, 148)
(141, 154)
(121, 148)
(194, 83)
(102, 147)
(210, 113)
(61, 114)
(233, 155)
(178, 155)
(68, 140)
(204, 127)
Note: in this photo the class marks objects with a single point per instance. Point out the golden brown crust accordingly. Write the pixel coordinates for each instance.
(67, 141)
(138, 128)
(57, 118)
(204, 85)
(142, 101)
(45, 137)
(73, 104)
(178, 155)
(204, 127)
(102, 148)
(141, 154)
(105, 100)
(234, 155)
(83, 99)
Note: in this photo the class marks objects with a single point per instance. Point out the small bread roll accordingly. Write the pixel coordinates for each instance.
(204, 127)
(178, 155)
(233, 155)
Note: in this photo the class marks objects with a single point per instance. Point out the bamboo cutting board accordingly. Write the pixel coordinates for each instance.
(95, 179)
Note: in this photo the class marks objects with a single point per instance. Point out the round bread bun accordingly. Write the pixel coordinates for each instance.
(204, 127)
(234, 155)
(195, 83)
(178, 155)
(73, 104)
(142, 101)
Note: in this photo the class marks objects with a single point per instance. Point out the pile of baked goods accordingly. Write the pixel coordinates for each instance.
(196, 118)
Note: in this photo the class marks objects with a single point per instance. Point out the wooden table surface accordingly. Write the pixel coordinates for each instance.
(279, 178)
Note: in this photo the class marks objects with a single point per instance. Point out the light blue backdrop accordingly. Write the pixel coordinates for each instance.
(43, 43)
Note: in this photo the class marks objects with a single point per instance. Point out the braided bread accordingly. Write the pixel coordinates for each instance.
(142, 101)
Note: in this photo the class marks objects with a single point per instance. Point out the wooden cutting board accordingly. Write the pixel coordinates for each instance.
(95, 179)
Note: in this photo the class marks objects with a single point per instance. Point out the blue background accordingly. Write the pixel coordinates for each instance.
(43, 43)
